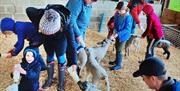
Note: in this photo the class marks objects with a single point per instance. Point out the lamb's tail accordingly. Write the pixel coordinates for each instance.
(107, 83)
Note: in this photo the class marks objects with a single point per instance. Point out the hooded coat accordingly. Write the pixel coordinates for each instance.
(23, 30)
(30, 81)
(154, 28)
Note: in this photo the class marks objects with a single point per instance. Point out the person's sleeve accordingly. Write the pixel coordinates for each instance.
(149, 27)
(71, 51)
(127, 28)
(19, 44)
(75, 6)
(33, 73)
(135, 15)
(129, 4)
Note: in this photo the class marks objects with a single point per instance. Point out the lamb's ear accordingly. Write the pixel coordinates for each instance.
(34, 14)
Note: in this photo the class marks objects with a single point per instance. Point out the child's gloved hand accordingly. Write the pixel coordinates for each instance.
(81, 41)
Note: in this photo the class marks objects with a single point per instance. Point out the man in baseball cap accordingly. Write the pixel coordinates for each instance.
(153, 72)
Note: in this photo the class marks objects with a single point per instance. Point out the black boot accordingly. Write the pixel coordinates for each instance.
(61, 75)
(50, 72)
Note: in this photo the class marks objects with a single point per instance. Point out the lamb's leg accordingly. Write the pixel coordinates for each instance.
(82, 56)
(107, 83)
(166, 51)
(168, 54)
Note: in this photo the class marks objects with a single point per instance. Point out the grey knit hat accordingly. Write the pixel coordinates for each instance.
(50, 22)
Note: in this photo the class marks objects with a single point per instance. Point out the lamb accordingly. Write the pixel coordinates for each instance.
(134, 39)
(95, 69)
(100, 52)
(165, 45)
(16, 79)
(82, 56)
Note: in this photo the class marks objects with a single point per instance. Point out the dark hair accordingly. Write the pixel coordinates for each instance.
(119, 5)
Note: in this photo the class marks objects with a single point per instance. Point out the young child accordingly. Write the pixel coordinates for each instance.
(153, 31)
(122, 31)
(29, 69)
(23, 30)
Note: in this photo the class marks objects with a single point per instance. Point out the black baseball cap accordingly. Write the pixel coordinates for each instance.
(152, 66)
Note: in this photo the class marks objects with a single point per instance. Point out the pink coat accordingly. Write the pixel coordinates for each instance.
(154, 28)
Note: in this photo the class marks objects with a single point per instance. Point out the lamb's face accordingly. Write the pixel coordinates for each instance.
(50, 22)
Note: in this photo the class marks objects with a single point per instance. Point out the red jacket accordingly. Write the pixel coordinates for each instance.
(136, 7)
(154, 28)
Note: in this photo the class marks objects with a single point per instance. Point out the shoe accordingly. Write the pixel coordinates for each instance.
(116, 67)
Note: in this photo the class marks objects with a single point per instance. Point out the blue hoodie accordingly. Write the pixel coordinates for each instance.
(23, 30)
(123, 26)
(80, 16)
(30, 81)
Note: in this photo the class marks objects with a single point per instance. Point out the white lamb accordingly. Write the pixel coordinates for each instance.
(95, 69)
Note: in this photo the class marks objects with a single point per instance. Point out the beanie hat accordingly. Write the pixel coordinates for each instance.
(151, 66)
(148, 9)
(7, 24)
(121, 5)
(33, 50)
(50, 22)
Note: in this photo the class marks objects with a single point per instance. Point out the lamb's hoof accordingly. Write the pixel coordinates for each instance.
(82, 85)
(168, 57)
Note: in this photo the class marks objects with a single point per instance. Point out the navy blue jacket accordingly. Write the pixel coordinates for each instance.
(30, 81)
(170, 85)
(25, 30)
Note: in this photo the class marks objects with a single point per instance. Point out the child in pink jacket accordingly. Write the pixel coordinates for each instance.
(153, 31)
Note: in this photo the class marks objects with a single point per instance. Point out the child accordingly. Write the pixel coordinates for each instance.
(153, 31)
(122, 31)
(23, 30)
(29, 69)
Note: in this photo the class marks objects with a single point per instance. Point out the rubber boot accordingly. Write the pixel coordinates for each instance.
(50, 72)
(113, 62)
(118, 62)
(61, 75)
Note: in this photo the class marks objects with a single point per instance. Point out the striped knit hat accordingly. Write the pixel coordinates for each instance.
(50, 22)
